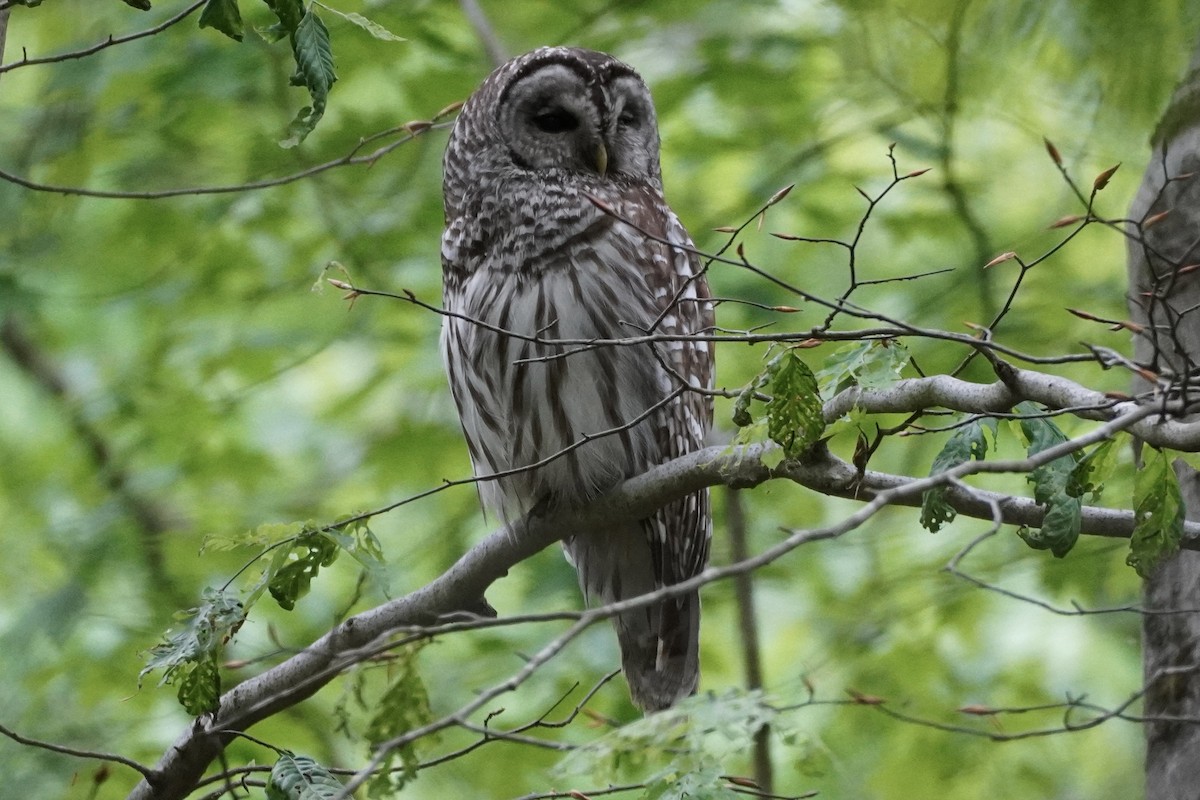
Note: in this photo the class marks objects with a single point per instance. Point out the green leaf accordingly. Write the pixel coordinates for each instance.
(1093, 470)
(357, 539)
(692, 736)
(795, 419)
(265, 535)
(1158, 515)
(704, 783)
(370, 26)
(200, 686)
(1060, 528)
(301, 778)
(189, 656)
(224, 16)
(854, 421)
(140, 5)
(289, 13)
(968, 442)
(314, 70)
(872, 365)
(291, 581)
(403, 707)
(741, 405)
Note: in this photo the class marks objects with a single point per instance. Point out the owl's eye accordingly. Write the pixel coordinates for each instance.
(629, 117)
(555, 120)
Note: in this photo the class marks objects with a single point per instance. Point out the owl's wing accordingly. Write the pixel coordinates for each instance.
(680, 532)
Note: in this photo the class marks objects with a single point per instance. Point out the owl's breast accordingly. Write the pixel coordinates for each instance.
(553, 386)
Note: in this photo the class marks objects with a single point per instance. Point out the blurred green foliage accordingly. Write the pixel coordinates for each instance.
(191, 377)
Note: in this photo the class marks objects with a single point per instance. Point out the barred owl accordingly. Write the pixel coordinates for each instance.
(528, 258)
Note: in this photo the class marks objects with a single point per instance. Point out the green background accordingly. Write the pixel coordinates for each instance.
(210, 384)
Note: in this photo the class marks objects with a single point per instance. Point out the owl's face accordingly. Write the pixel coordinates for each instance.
(579, 111)
(558, 114)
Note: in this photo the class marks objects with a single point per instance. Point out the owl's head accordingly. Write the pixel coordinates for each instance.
(562, 109)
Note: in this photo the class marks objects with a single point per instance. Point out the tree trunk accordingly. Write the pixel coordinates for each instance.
(1166, 297)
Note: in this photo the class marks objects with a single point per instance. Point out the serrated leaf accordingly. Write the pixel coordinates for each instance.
(968, 442)
(271, 33)
(1158, 515)
(223, 16)
(265, 535)
(689, 737)
(795, 418)
(189, 656)
(200, 686)
(704, 783)
(403, 707)
(754, 433)
(301, 778)
(772, 458)
(370, 26)
(314, 70)
(741, 404)
(872, 365)
(855, 421)
(1060, 528)
(306, 556)
(1093, 470)
(288, 12)
(360, 542)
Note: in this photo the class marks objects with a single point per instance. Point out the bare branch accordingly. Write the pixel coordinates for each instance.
(111, 41)
(75, 751)
(411, 130)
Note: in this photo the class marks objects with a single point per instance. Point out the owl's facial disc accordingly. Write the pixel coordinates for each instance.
(551, 120)
(632, 131)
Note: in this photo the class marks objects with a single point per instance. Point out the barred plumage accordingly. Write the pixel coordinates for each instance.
(529, 258)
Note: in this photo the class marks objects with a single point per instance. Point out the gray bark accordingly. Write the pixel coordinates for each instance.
(1165, 297)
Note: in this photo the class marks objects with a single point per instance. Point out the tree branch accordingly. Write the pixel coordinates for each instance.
(111, 41)
(466, 581)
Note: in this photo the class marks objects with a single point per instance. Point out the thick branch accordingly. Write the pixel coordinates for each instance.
(464, 583)
(942, 391)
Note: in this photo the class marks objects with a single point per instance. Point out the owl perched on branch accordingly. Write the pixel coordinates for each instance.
(556, 229)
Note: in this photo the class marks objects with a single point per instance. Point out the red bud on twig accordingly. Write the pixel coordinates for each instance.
(450, 109)
(1000, 259)
(1053, 151)
(865, 699)
(1103, 178)
(979, 711)
(1154, 219)
(1063, 222)
(782, 193)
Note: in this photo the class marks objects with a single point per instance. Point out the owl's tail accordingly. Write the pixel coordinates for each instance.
(659, 642)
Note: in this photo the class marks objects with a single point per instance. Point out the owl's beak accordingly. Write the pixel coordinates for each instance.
(601, 158)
